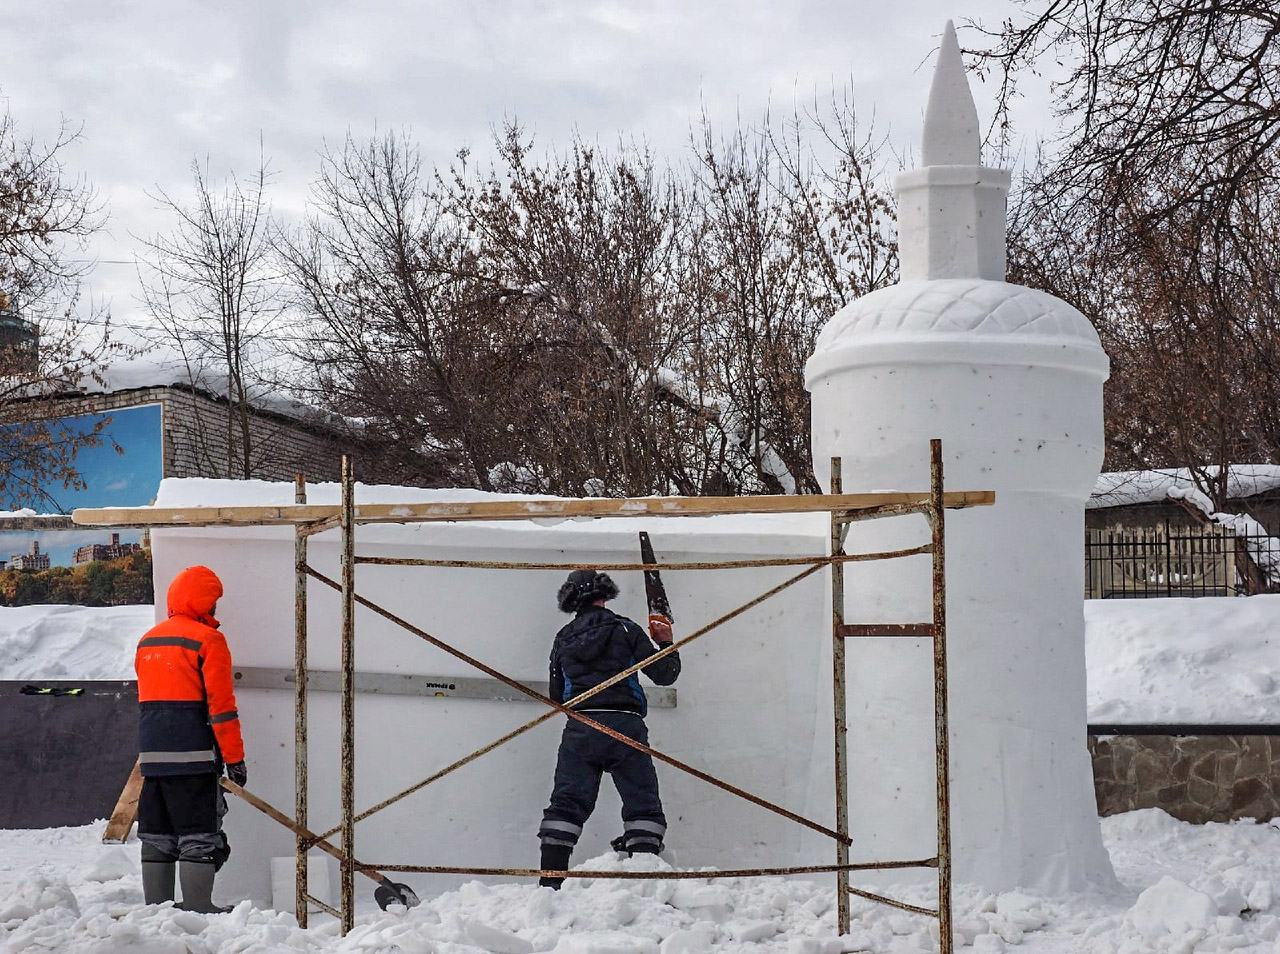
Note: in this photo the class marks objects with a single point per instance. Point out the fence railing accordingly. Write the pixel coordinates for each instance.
(1127, 563)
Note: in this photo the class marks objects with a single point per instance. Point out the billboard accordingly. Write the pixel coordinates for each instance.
(129, 477)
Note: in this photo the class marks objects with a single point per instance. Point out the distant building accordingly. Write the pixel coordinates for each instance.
(19, 339)
(195, 437)
(103, 551)
(33, 559)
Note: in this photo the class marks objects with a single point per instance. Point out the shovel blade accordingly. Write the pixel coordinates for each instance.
(393, 892)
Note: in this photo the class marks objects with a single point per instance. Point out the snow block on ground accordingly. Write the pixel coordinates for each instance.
(751, 931)
(37, 894)
(112, 864)
(496, 940)
(605, 942)
(714, 900)
(692, 941)
(1170, 907)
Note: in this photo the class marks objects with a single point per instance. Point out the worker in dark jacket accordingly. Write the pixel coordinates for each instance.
(595, 646)
(188, 729)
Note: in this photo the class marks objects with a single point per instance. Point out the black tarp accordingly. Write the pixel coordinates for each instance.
(65, 758)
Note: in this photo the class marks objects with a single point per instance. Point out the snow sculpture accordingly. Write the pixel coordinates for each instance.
(1011, 380)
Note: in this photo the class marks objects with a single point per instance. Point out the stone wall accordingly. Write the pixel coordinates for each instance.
(1196, 778)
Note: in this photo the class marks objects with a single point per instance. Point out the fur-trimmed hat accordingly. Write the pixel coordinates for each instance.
(584, 587)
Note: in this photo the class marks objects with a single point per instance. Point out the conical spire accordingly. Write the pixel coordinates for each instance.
(951, 211)
(951, 136)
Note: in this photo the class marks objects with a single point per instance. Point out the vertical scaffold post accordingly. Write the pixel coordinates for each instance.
(348, 696)
(942, 738)
(839, 705)
(300, 705)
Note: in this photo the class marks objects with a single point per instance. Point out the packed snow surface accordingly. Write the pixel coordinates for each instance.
(1161, 660)
(1212, 659)
(1202, 888)
(71, 642)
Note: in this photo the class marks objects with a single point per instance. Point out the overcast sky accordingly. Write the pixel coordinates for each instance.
(158, 82)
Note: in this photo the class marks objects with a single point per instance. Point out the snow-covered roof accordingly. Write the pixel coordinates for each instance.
(1126, 487)
(161, 369)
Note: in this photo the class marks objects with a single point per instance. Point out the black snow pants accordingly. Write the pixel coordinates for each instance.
(584, 756)
(180, 816)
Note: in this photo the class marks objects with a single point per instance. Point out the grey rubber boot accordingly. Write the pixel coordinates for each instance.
(157, 881)
(196, 878)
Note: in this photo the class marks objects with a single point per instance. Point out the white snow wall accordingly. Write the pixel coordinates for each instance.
(753, 698)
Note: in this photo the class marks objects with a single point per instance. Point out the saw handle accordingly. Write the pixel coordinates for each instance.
(660, 629)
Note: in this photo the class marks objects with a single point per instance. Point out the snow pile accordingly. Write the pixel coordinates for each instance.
(1264, 548)
(1186, 888)
(1211, 659)
(71, 642)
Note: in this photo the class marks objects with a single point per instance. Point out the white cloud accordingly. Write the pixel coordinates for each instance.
(157, 83)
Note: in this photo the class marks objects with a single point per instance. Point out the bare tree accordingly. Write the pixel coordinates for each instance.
(590, 321)
(797, 223)
(213, 289)
(394, 343)
(1180, 94)
(49, 343)
(1155, 214)
(583, 255)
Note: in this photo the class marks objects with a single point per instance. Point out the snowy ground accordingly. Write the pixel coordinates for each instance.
(1184, 888)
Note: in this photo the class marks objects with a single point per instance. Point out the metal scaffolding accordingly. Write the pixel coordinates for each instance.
(844, 509)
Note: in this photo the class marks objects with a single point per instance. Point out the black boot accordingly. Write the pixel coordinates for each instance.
(554, 858)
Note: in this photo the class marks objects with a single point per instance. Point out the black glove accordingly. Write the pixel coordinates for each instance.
(238, 773)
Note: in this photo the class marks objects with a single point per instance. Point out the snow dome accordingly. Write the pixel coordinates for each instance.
(945, 319)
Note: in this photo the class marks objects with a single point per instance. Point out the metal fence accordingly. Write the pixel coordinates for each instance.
(1129, 563)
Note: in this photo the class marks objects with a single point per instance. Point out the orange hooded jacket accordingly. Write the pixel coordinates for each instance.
(187, 704)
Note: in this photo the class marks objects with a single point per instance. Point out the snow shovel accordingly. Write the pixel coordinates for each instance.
(387, 892)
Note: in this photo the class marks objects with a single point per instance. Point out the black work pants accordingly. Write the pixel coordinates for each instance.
(180, 816)
(585, 755)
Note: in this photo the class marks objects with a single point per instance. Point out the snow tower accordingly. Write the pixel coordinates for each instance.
(1011, 380)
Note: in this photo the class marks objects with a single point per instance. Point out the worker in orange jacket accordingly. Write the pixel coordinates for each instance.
(188, 730)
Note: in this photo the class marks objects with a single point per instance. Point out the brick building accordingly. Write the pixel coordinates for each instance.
(93, 552)
(203, 435)
(33, 559)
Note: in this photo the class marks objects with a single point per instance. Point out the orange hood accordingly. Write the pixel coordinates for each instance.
(193, 594)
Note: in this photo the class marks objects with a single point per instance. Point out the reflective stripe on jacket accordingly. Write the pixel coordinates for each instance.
(187, 720)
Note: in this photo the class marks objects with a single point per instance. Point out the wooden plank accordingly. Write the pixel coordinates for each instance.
(431, 687)
(528, 509)
(126, 810)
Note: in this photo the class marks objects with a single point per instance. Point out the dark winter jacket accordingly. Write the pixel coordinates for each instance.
(188, 720)
(598, 644)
